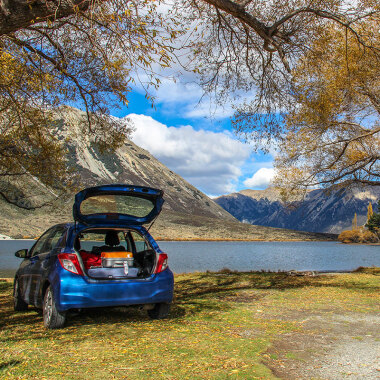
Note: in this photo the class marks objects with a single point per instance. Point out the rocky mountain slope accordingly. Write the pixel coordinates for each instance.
(318, 212)
(132, 164)
(187, 212)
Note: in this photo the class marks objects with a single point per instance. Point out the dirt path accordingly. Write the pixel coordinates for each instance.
(329, 345)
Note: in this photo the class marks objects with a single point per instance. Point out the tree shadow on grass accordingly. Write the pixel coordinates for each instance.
(10, 363)
(209, 284)
(194, 293)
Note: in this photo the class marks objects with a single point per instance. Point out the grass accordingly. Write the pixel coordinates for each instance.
(221, 326)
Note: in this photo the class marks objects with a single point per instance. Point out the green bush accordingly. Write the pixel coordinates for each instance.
(373, 223)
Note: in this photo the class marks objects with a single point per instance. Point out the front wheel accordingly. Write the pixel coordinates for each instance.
(18, 303)
(160, 311)
(53, 319)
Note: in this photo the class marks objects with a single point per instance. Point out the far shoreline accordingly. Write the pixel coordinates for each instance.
(242, 240)
(218, 240)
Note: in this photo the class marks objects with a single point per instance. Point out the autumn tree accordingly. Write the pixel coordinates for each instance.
(308, 71)
(332, 134)
(85, 54)
(355, 222)
(369, 211)
(252, 48)
(88, 54)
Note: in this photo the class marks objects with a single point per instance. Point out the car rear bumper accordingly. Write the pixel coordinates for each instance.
(72, 291)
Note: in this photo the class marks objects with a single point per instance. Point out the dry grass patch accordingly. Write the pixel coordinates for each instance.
(221, 325)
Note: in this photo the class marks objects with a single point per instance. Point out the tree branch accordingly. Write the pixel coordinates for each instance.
(18, 14)
(62, 70)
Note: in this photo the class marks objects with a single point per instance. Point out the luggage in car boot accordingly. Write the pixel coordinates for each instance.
(110, 273)
(116, 259)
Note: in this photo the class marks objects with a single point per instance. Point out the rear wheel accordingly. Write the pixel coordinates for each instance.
(18, 303)
(160, 311)
(53, 319)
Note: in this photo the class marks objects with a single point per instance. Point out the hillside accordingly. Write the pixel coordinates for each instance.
(187, 212)
(319, 212)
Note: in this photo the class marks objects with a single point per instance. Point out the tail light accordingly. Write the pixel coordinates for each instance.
(69, 261)
(162, 262)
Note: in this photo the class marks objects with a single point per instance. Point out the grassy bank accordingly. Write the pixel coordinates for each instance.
(242, 240)
(168, 226)
(222, 325)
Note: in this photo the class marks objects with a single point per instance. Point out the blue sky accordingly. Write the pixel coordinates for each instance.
(195, 139)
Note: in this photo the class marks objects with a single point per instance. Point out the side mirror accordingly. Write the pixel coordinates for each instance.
(22, 253)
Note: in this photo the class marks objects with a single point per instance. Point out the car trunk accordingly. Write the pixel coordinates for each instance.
(114, 253)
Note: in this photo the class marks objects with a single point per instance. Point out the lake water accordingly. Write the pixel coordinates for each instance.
(242, 256)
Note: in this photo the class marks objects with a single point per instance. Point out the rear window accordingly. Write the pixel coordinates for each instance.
(95, 241)
(116, 204)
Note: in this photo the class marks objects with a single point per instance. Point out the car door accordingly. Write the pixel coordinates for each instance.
(44, 259)
(36, 268)
(27, 268)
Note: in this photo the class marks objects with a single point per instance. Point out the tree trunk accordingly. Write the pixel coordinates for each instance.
(18, 14)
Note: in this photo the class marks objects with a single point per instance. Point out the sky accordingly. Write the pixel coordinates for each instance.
(195, 139)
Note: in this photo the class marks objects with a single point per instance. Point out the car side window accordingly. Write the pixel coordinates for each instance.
(39, 246)
(140, 242)
(48, 241)
(53, 239)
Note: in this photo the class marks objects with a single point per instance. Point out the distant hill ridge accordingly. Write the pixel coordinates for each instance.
(318, 212)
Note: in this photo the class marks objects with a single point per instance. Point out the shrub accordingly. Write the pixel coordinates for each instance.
(358, 236)
(369, 270)
(350, 236)
(225, 271)
(369, 237)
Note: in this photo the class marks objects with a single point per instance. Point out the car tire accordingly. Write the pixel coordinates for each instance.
(160, 311)
(18, 303)
(53, 319)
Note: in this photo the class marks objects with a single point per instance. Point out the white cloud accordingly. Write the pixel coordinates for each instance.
(261, 179)
(188, 95)
(177, 92)
(208, 160)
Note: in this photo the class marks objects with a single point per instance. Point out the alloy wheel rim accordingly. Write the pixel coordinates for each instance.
(15, 295)
(48, 306)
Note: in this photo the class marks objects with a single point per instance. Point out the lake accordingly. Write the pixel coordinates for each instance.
(199, 256)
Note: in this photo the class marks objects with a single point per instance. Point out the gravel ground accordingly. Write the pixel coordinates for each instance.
(330, 347)
(351, 360)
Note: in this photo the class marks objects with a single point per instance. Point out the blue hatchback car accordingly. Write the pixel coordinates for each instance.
(104, 258)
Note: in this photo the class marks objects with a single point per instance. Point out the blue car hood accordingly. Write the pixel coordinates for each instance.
(117, 205)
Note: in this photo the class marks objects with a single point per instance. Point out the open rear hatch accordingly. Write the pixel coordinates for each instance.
(117, 205)
(112, 253)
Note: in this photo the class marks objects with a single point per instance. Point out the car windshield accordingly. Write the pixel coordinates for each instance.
(116, 204)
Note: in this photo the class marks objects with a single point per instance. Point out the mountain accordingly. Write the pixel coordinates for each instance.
(187, 212)
(132, 164)
(320, 211)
